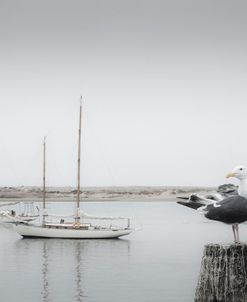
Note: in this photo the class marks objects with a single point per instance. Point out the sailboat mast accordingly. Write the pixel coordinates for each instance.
(79, 166)
(44, 174)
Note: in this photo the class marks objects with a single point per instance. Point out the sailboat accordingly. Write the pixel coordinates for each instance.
(79, 227)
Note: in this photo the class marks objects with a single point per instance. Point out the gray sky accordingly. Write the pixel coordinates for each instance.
(164, 84)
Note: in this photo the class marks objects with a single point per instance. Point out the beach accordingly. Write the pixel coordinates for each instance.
(134, 193)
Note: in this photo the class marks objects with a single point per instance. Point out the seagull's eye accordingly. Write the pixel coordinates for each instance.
(241, 169)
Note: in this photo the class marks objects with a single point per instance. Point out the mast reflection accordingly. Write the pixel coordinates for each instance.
(45, 291)
(65, 264)
(79, 292)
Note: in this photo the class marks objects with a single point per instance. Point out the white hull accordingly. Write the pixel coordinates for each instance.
(6, 220)
(39, 231)
(15, 219)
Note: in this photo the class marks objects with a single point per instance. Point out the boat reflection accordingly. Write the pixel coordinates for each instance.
(66, 265)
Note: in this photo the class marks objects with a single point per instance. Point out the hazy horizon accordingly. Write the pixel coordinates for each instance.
(163, 83)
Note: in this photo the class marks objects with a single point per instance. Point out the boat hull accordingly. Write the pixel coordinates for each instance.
(43, 232)
(14, 219)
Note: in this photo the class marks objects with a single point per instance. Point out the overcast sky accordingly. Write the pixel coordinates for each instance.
(164, 84)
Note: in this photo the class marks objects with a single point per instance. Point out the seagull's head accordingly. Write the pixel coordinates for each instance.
(239, 172)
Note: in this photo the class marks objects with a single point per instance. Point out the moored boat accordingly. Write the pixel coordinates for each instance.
(79, 227)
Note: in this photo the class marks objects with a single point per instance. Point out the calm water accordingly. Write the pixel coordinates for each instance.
(159, 262)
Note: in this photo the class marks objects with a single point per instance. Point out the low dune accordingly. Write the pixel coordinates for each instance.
(103, 193)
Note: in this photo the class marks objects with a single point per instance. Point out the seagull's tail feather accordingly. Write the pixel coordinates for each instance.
(191, 204)
(196, 201)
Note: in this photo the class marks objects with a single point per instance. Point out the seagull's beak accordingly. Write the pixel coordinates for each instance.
(231, 174)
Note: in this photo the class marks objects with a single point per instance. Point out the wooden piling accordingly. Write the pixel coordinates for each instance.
(223, 275)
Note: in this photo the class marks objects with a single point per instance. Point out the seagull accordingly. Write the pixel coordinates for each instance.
(231, 210)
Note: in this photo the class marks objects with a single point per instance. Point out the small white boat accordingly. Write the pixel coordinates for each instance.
(10, 217)
(13, 215)
(78, 228)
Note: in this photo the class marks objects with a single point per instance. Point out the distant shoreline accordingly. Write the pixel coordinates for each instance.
(101, 194)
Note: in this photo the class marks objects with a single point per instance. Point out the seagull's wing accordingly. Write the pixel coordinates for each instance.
(231, 210)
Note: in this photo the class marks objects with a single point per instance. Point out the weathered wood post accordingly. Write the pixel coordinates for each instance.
(223, 275)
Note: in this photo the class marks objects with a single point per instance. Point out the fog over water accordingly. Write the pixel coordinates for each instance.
(164, 84)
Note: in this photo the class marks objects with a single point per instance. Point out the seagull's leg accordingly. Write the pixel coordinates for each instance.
(234, 233)
(237, 232)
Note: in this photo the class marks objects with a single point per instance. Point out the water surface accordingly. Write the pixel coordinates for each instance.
(159, 262)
